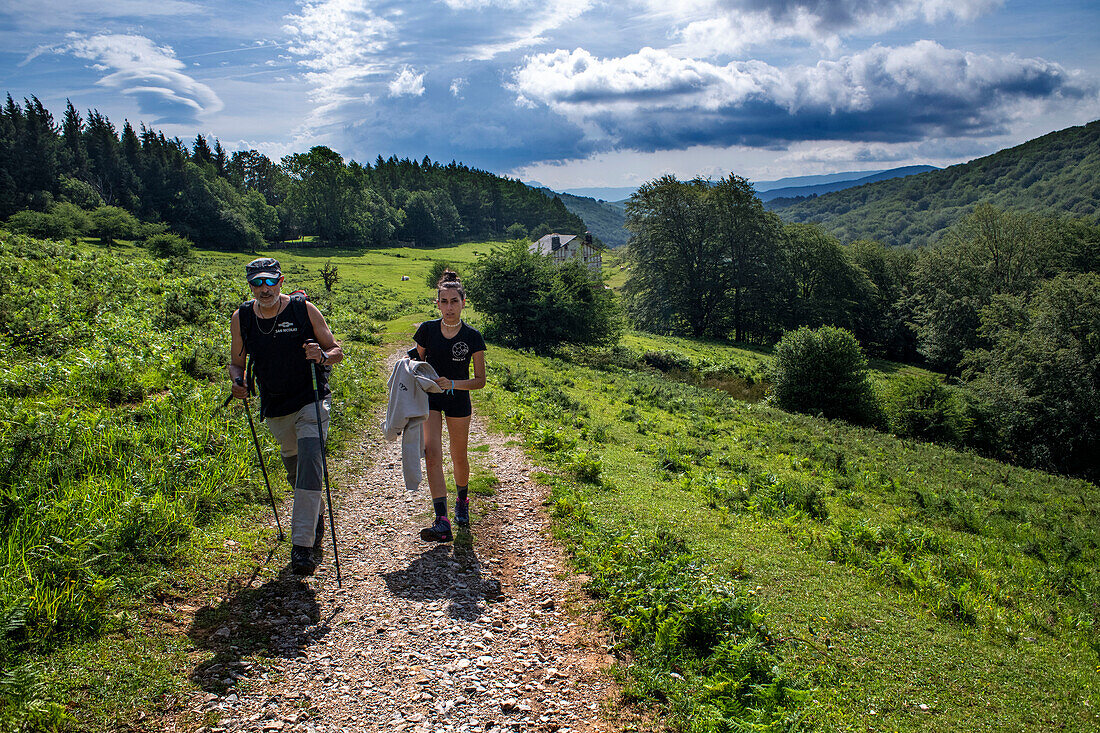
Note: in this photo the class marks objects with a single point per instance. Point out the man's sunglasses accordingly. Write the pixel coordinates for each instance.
(261, 281)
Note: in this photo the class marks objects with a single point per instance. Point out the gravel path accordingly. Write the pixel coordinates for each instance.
(489, 633)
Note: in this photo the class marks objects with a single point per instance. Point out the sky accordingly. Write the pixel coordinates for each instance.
(574, 93)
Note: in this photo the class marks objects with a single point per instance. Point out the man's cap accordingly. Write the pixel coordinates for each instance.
(262, 267)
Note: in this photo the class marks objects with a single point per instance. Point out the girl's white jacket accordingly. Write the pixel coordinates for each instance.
(409, 385)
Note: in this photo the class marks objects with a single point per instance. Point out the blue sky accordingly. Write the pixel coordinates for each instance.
(574, 93)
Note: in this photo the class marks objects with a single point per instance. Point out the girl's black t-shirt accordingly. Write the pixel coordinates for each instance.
(450, 357)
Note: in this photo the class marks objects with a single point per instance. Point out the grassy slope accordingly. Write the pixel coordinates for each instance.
(874, 649)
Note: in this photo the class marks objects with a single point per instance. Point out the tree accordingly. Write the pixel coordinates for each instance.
(430, 218)
(1038, 383)
(529, 302)
(882, 318)
(747, 236)
(330, 273)
(678, 282)
(827, 287)
(706, 259)
(335, 200)
(435, 272)
(989, 253)
(168, 246)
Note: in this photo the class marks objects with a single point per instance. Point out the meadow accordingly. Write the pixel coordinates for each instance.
(762, 570)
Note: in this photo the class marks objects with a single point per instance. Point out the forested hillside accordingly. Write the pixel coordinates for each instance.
(1057, 173)
(604, 220)
(85, 176)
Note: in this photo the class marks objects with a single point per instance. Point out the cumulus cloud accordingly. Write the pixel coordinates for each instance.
(713, 27)
(653, 100)
(152, 74)
(407, 83)
(457, 85)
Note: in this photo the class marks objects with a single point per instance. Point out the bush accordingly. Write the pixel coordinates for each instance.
(39, 224)
(667, 361)
(168, 246)
(531, 302)
(823, 371)
(435, 272)
(921, 406)
(110, 223)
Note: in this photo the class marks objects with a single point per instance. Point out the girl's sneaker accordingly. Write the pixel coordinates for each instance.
(462, 512)
(438, 532)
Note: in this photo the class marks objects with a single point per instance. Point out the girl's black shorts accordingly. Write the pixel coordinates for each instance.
(451, 405)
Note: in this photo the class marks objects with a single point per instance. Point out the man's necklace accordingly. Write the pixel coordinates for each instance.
(274, 320)
(451, 325)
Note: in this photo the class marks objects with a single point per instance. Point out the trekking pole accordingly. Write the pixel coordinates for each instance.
(324, 466)
(260, 455)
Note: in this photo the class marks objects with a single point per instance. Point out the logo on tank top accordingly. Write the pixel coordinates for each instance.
(460, 351)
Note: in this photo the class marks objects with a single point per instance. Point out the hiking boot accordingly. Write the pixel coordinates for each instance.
(438, 532)
(318, 538)
(301, 560)
(462, 512)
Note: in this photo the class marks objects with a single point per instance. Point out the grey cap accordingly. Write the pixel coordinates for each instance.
(263, 267)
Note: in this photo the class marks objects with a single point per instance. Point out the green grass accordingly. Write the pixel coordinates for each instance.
(882, 574)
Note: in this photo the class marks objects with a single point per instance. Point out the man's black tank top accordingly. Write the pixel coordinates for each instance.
(278, 360)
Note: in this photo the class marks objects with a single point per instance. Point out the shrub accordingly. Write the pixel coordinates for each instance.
(39, 224)
(823, 371)
(110, 223)
(435, 272)
(922, 406)
(667, 361)
(168, 246)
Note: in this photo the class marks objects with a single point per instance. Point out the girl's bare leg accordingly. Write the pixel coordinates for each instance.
(433, 453)
(458, 430)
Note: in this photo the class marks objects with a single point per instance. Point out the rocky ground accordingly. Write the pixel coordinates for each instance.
(488, 633)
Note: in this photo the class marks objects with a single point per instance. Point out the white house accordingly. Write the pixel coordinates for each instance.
(563, 246)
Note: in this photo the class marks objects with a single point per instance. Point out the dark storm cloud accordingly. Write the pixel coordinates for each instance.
(654, 101)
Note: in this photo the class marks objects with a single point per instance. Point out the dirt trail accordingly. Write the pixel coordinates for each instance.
(484, 634)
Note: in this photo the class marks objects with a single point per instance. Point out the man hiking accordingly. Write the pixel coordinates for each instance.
(284, 336)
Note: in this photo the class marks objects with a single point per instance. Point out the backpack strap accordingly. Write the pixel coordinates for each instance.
(298, 308)
(301, 313)
(246, 320)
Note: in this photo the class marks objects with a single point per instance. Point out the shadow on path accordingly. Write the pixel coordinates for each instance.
(271, 620)
(447, 572)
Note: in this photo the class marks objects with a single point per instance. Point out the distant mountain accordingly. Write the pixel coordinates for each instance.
(794, 192)
(762, 186)
(1058, 173)
(604, 194)
(604, 220)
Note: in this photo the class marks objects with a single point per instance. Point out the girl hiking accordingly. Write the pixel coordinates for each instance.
(449, 345)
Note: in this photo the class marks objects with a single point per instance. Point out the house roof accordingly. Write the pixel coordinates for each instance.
(546, 244)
